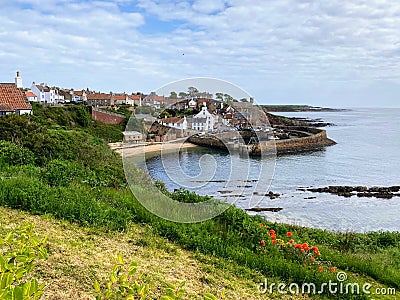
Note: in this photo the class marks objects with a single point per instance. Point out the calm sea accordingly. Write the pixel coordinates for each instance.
(367, 153)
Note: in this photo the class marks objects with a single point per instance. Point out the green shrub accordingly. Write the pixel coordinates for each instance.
(19, 251)
(83, 117)
(14, 155)
(62, 173)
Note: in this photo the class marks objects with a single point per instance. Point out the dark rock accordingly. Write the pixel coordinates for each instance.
(359, 191)
(260, 209)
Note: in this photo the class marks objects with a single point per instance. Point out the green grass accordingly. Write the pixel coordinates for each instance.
(84, 185)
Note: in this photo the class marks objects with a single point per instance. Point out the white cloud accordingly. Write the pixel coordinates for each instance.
(280, 42)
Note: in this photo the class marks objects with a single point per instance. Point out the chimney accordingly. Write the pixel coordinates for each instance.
(18, 81)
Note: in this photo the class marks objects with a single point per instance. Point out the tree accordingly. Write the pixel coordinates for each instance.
(192, 90)
(219, 96)
(82, 116)
(182, 95)
(173, 95)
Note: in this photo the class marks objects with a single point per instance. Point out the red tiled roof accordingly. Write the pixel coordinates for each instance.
(12, 98)
(119, 97)
(135, 97)
(30, 94)
(78, 93)
(97, 96)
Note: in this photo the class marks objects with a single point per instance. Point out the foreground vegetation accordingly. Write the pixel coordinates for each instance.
(70, 174)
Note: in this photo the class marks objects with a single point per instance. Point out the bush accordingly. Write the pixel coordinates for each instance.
(19, 251)
(62, 173)
(14, 155)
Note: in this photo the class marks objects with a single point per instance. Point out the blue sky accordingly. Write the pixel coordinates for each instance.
(325, 53)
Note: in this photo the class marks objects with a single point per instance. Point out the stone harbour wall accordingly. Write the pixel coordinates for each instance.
(316, 140)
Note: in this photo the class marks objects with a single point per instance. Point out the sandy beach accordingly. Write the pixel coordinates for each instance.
(138, 149)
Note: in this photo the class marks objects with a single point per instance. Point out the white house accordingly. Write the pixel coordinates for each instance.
(175, 122)
(204, 120)
(43, 93)
(31, 96)
(78, 96)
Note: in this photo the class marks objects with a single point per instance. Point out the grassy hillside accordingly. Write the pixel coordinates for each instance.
(80, 255)
(70, 175)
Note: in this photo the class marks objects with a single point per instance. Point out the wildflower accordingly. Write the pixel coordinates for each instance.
(302, 250)
(289, 234)
(272, 231)
(262, 243)
(305, 245)
(291, 241)
(320, 269)
(274, 242)
(273, 236)
(333, 269)
(312, 258)
(261, 224)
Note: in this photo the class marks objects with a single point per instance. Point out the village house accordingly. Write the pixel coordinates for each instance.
(178, 104)
(135, 99)
(100, 100)
(133, 137)
(202, 101)
(46, 94)
(13, 100)
(154, 100)
(78, 96)
(175, 122)
(204, 120)
(121, 99)
(31, 96)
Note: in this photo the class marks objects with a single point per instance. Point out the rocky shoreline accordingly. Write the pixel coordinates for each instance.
(358, 191)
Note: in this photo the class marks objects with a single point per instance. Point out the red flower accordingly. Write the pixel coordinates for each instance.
(273, 236)
(302, 250)
(320, 269)
(289, 234)
(312, 258)
(272, 231)
(261, 224)
(291, 241)
(262, 243)
(274, 242)
(333, 269)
